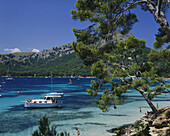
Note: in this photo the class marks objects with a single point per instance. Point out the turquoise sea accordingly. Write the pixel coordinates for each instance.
(79, 109)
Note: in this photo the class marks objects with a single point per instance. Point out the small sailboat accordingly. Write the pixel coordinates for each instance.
(45, 76)
(8, 76)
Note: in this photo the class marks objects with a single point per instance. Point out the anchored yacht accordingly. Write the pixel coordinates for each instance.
(50, 100)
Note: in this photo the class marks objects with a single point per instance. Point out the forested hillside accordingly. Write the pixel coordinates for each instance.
(61, 61)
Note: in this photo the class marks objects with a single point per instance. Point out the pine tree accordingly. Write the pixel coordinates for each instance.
(108, 15)
(45, 130)
(110, 56)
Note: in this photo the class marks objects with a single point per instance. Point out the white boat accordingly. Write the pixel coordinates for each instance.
(50, 100)
(9, 76)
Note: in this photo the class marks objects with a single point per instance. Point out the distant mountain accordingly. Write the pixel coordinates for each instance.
(62, 61)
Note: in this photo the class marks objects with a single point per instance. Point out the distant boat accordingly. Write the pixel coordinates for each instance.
(8, 76)
(46, 76)
(51, 100)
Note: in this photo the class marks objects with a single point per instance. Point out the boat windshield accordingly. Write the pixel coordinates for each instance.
(47, 98)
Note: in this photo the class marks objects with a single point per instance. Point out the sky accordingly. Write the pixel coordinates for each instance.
(36, 25)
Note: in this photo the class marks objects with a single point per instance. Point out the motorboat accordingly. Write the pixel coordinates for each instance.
(9, 78)
(51, 100)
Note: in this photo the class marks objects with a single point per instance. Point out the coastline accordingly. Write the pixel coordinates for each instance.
(156, 125)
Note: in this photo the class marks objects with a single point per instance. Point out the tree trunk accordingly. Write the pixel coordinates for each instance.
(148, 101)
(163, 23)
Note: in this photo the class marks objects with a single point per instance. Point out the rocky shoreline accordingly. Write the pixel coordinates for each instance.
(149, 125)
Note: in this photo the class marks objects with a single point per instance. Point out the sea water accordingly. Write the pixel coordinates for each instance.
(79, 109)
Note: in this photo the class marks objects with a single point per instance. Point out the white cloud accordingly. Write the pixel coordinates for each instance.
(35, 50)
(13, 50)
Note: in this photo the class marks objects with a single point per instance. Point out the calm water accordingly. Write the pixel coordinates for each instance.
(79, 110)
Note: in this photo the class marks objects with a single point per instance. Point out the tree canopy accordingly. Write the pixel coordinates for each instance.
(125, 58)
(44, 129)
(109, 15)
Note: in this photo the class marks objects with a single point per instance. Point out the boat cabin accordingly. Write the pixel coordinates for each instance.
(50, 100)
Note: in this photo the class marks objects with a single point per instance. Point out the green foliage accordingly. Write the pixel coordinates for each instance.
(66, 65)
(104, 103)
(46, 130)
(3, 69)
(87, 10)
(161, 39)
(142, 130)
(96, 88)
(11, 55)
(168, 132)
(92, 92)
(109, 58)
(96, 84)
(63, 134)
(168, 85)
(168, 114)
(98, 70)
(107, 16)
(161, 61)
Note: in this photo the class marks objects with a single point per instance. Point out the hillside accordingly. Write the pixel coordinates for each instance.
(62, 61)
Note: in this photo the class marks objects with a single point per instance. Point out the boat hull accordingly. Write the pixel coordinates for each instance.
(42, 105)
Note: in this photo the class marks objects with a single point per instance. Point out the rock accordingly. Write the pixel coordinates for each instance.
(158, 124)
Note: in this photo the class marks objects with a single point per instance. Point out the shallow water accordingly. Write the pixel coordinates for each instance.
(79, 110)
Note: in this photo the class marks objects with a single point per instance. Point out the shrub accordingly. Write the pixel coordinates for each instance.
(168, 114)
(142, 130)
(45, 130)
(168, 132)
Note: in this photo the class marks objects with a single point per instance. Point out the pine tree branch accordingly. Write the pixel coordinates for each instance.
(163, 86)
(155, 11)
(159, 7)
(143, 94)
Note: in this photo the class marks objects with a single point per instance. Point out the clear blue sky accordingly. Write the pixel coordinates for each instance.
(42, 24)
